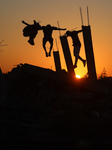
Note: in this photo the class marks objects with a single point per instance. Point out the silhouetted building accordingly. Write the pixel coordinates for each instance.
(0, 72)
(3, 85)
(36, 72)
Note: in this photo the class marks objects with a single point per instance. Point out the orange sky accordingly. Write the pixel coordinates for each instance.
(12, 12)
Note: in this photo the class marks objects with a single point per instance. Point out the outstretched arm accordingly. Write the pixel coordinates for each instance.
(61, 29)
(55, 28)
(79, 31)
(25, 23)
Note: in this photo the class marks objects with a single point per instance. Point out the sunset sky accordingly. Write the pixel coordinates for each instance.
(12, 12)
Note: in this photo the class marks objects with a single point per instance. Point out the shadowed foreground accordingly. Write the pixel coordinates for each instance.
(43, 113)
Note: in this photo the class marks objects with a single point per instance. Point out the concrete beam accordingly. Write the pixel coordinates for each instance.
(89, 53)
(67, 55)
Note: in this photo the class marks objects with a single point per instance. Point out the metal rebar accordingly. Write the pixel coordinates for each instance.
(59, 27)
(81, 16)
(88, 15)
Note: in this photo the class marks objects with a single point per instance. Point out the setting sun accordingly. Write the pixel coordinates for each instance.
(78, 76)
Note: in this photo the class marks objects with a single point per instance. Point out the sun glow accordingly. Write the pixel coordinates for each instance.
(78, 76)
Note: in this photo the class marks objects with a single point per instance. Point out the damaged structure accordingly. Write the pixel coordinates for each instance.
(88, 44)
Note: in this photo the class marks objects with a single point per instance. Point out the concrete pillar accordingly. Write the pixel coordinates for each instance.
(89, 53)
(57, 61)
(67, 55)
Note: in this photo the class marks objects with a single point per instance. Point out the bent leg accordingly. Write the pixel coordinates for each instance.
(51, 45)
(83, 61)
(75, 64)
(31, 37)
(76, 54)
(81, 58)
(44, 43)
(31, 40)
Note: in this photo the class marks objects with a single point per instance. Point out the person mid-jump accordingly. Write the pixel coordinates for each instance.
(77, 46)
(47, 30)
(31, 30)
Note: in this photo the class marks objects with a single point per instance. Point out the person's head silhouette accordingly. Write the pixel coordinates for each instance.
(48, 26)
(68, 33)
(36, 24)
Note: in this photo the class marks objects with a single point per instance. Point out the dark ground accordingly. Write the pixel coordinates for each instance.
(48, 114)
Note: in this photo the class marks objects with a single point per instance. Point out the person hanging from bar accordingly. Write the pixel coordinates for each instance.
(47, 30)
(31, 31)
(77, 46)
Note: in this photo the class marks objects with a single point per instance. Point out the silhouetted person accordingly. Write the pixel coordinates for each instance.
(77, 46)
(48, 29)
(31, 31)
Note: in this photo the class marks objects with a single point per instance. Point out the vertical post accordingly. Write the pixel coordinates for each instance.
(89, 53)
(81, 16)
(57, 61)
(67, 54)
(88, 15)
(59, 27)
